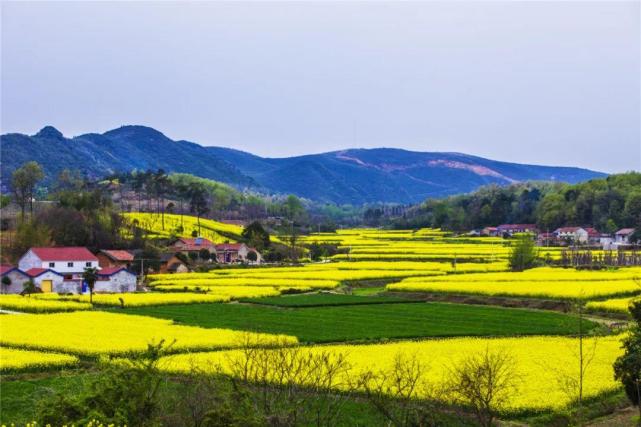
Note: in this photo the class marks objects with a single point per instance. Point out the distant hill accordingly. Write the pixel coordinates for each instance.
(388, 175)
(353, 176)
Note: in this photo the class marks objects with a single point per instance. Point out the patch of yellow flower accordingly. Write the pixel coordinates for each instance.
(616, 305)
(12, 359)
(543, 366)
(96, 333)
(34, 304)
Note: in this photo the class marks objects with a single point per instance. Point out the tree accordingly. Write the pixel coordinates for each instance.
(29, 287)
(23, 184)
(484, 382)
(198, 202)
(29, 234)
(523, 254)
(256, 236)
(90, 276)
(627, 368)
(252, 256)
(204, 254)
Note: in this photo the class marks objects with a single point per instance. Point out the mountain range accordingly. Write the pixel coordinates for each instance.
(353, 176)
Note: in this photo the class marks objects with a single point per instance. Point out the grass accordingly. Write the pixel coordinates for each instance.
(369, 322)
(323, 300)
(20, 396)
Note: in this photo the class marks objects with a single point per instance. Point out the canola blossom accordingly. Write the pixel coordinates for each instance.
(35, 304)
(95, 333)
(534, 289)
(150, 299)
(12, 360)
(541, 364)
(232, 292)
(615, 305)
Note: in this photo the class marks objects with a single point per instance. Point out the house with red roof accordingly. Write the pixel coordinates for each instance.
(115, 279)
(70, 261)
(115, 258)
(194, 244)
(229, 253)
(511, 229)
(623, 236)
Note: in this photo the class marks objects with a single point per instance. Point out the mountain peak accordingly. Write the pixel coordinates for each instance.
(135, 131)
(49, 132)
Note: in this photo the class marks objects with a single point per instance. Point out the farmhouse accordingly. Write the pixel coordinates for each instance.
(15, 279)
(623, 236)
(171, 263)
(572, 234)
(115, 258)
(228, 253)
(196, 244)
(511, 229)
(115, 279)
(68, 261)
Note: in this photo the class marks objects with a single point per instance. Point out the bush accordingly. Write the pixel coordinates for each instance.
(523, 254)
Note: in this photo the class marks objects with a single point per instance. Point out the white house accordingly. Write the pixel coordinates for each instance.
(16, 281)
(68, 261)
(623, 236)
(227, 253)
(115, 279)
(51, 281)
(573, 234)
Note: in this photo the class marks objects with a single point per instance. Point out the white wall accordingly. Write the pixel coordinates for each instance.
(123, 281)
(17, 283)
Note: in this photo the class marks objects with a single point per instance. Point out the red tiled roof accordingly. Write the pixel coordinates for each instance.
(228, 246)
(70, 253)
(592, 231)
(189, 244)
(35, 272)
(118, 255)
(516, 227)
(109, 271)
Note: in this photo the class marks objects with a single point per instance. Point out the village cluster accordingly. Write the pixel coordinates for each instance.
(563, 236)
(60, 269)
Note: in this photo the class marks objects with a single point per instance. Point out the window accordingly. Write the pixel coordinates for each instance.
(88, 264)
(70, 264)
(52, 264)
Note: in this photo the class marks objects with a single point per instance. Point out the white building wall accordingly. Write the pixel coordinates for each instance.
(29, 260)
(56, 280)
(17, 283)
(123, 281)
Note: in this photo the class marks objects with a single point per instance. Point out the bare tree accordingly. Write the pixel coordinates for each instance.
(484, 382)
(401, 393)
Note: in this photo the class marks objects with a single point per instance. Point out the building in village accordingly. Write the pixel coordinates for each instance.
(12, 279)
(511, 229)
(115, 258)
(60, 269)
(195, 244)
(170, 262)
(572, 235)
(228, 253)
(623, 236)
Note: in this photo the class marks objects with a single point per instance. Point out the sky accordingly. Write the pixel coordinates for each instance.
(554, 83)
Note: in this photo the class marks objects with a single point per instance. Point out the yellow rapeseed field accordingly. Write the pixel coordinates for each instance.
(616, 305)
(541, 364)
(535, 289)
(150, 299)
(35, 304)
(95, 333)
(12, 359)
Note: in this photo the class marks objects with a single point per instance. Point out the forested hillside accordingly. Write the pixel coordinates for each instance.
(607, 204)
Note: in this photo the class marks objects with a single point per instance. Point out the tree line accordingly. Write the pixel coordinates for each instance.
(607, 204)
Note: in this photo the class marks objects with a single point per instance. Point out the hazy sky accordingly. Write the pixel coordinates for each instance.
(532, 82)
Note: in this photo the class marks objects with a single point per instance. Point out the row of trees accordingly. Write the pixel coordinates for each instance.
(607, 204)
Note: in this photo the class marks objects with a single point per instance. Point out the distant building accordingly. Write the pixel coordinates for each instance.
(115, 258)
(170, 263)
(572, 234)
(115, 279)
(594, 237)
(195, 244)
(511, 229)
(623, 236)
(546, 239)
(489, 231)
(228, 253)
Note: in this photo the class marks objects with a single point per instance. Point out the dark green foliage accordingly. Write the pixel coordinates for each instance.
(319, 251)
(256, 236)
(193, 256)
(627, 368)
(204, 254)
(523, 253)
(90, 276)
(122, 394)
(368, 322)
(605, 203)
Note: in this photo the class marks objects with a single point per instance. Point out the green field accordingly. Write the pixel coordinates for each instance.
(323, 300)
(369, 322)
